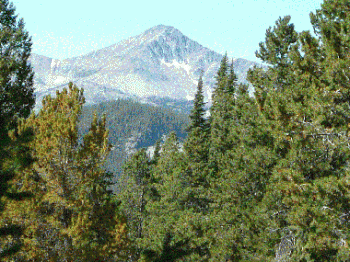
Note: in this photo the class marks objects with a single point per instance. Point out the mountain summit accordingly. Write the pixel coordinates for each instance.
(160, 62)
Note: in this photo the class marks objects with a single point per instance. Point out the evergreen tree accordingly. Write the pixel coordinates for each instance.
(166, 177)
(16, 101)
(280, 103)
(170, 212)
(300, 103)
(196, 148)
(331, 25)
(156, 152)
(221, 112)
(73, 215)
(198, 110)
(222, 72)
(14, 156)
(16, 74)
(221, 79)
(232, 81)
(276, 49)
(237, 219)
(136, 188)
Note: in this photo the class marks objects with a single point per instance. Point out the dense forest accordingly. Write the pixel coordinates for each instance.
(133, 125)
(264, 178)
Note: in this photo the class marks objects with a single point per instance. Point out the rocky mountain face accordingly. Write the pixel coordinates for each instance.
(160, 62)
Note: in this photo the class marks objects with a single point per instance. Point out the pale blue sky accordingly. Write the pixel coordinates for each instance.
(68, 28)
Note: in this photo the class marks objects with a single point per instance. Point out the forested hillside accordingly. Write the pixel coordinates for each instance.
(133, 125)
(263, 178)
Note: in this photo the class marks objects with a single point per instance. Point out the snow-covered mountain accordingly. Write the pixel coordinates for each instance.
(160, 62)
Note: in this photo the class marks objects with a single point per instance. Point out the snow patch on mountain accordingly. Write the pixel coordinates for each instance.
(55, 63)
(177, 65)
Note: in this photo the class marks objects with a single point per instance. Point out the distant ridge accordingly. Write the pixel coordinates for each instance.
(160, 62)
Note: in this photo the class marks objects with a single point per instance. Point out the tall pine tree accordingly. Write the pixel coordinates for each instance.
(221, 113)
(73, 215)
(16, 101)
(301, 102)
(172, 216)
(135, 190)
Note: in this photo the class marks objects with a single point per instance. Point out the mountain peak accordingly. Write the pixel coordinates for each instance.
(167, 43)
(160, 62)
(161, 29)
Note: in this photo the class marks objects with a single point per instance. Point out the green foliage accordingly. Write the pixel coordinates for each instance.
(265, 178)
(72, 215)
(171, 212)
(16, 101)
(269, 180)
(182, 106)
(125, 119)
(14, 156)
(232, 80)
(198, 111)
(196, 149)
(297, 96)
(221, 112)
(156, 154)
(136, 189)
(169, 203)
(240, 183)
(161, 208)
(169, 252)
(16, 74)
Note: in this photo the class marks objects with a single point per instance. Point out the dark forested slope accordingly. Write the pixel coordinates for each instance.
(133, 125)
